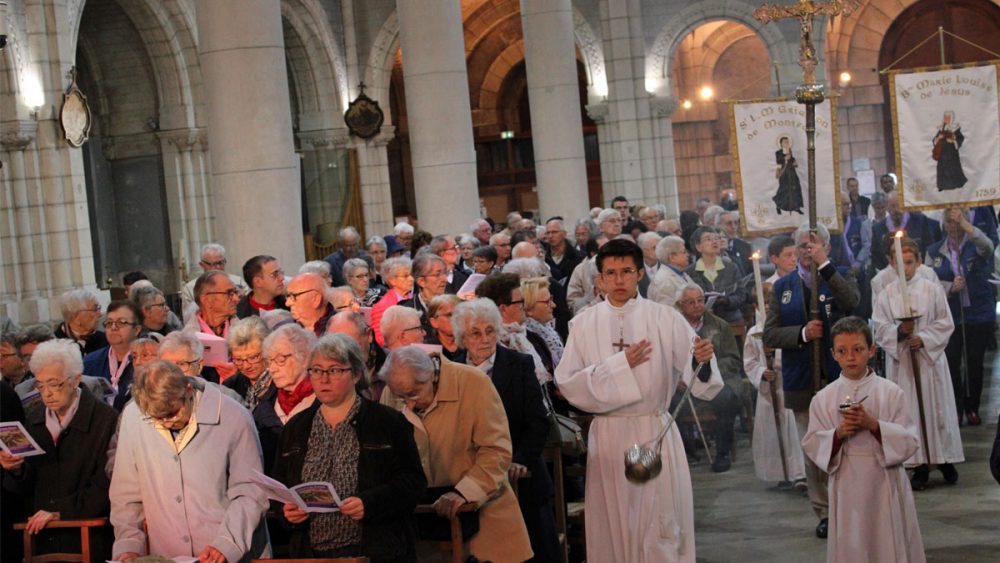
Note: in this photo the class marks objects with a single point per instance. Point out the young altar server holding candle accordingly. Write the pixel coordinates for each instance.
(860, 432)
(915, 360)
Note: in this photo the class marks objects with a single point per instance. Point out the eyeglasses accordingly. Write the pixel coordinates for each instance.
(353, 302)
(518, 302)
(502, 244)
(177, 414)
(56, 387)
(94, 309)
(120, 324)
(277, 274)
(450, 249)
(418, 327)
(161, 304)
(440, 274)
(290, 296)
(5, 356)
(479, 335)
(279, 359)
(690, 302)
(187, 365)
(249, 360)
(329, 374)
(616, 274)
(217, 265)
(361, 276)
(230, 293)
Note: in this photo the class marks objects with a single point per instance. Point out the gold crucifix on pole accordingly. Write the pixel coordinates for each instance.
(809, 94)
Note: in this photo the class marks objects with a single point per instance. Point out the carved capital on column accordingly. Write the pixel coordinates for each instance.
(183, 139)
(599, 111)
(663, 106)
(324, 139)
(384, 137)
(19, 135)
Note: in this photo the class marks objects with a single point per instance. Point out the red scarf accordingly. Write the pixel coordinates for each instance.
(289, 400)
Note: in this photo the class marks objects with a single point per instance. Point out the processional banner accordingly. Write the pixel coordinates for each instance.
(771, 168)
(946, 132)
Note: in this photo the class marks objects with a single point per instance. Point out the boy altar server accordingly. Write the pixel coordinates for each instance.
(915, 349)
(860, 433)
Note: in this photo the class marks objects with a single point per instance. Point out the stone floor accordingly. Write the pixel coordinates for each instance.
(738, 518)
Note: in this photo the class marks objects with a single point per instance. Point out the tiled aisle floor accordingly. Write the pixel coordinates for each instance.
(738, 518)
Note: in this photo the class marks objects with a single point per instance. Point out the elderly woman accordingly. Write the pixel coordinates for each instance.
(467, 244)
(430, 273)
(143, 350)
(674, 259)
(319, 267)
(74, 428)
(246, 342)
(183, 476)
(80, 312)
(377, 249)
(477, 325)
(585, 230)
(365, 450)
(286, 351)
(358, 277)
(484, 260)
(397, 275)
(717, 274)
(540, 322)
(462, 433)
(439, 312)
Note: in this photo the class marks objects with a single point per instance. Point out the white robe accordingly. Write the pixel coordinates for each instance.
(651, 522)
(766, 450)
(934, 327)
(872, 514)
(887, 275)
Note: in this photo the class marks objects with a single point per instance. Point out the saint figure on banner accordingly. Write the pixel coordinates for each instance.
(947, 141)
(789, 196)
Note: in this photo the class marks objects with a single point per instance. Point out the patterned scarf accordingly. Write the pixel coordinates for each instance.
(513, 336)
(257, 390)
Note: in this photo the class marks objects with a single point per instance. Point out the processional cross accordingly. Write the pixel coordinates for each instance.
(809, 94)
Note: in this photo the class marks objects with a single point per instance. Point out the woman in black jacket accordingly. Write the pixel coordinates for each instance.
(365, 450)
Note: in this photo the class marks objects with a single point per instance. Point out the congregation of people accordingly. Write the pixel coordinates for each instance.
(435, 369)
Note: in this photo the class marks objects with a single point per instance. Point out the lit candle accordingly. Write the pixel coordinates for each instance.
(901, 272)
(755, 258)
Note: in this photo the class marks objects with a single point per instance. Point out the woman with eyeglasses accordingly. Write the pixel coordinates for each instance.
(286, 351)
(81, 312)
(183, 476)
(396, 273)
(365, 450)
(540, 321)
(356, 272)
(439, 312)
(717, 274)
(122, 325)
(74, 428)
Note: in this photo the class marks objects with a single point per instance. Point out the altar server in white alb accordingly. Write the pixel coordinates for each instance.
(624, 360)
(923, 341)
(860, 432)
(765, 445)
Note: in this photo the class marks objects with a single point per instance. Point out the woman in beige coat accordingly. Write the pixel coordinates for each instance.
(464, 441)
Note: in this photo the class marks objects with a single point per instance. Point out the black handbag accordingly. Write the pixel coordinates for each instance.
(564, 431)
(431, 527)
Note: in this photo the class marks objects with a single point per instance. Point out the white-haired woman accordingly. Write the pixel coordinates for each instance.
(439, 313)
(376, 248)
(286, 351)
(246, 341)
(183, 476)
(365, 450)
(74, 428)
(358, 276)
(539, 307)
(81, 310)
(398, 276)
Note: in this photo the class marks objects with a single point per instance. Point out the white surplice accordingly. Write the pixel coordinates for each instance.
(887, 275)
(934, 327)
(651, 522)
(872, 514)
(766, 450)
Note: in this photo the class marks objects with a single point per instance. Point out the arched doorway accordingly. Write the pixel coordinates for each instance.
(718, 60)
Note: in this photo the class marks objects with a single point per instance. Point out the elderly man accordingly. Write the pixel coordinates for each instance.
(12, 367)
(609, 223)
(402, 326)
(156, 314)
(668, 280)
(647, 242)
(725, 405)
(737, 249)
(182, 480)
(349, 246)
(670, 227)
(354, 325)
(561, 257)
(80, 312)
(461, 430)
(307, 300)
(477, 325)
(789, 327)
(216, 297)
(501, 243)
(481, 229)
(444, 247)
(213, 257)
(650, 216)
(266, 279)
(122, 324)
(343, 299)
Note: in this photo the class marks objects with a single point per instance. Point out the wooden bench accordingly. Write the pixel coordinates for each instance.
(83, 525)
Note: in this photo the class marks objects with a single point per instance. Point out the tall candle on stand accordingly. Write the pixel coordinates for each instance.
(901, 272)
(755, 258)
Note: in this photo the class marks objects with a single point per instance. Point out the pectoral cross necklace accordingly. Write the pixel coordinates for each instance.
(620, 345)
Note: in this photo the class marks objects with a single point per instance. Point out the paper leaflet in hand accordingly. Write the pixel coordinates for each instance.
(15, 440)
(310, 497)
(471, 284)
(710, 297)
(216, 350)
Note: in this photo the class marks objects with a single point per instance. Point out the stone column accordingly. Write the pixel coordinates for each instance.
(439, 114)
(663, 108)
(188, 212)
(255, 173)
(554, 101)
(376, 196)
